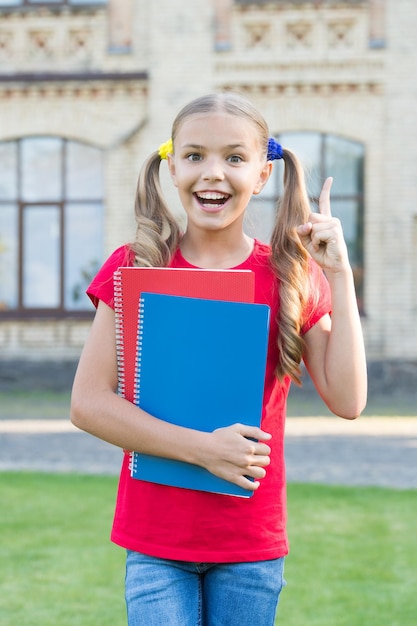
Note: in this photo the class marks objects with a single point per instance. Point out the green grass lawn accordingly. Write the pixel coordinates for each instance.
(306, 402)
(57, 565)
(34, 404)
(44, 404)
(352, 559)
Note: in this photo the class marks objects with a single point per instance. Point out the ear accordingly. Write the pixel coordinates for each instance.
(263, 178)
(171, 168)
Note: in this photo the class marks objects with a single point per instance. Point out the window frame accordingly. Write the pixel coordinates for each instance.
(59, 312)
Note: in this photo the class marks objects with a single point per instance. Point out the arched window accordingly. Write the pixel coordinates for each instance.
(51, 224)
(322, 155)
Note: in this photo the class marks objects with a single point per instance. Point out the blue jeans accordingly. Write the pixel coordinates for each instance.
(161, 592)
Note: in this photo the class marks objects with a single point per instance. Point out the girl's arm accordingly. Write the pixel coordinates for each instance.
(97, 409)
(334, 347)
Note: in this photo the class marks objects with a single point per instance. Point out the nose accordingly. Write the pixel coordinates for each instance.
(213, 169)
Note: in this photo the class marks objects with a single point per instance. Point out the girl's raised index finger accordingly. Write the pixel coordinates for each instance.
(324, 200)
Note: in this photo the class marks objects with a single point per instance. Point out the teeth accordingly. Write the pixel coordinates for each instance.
(212, 196)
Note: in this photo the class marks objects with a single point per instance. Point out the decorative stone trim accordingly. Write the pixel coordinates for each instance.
(313, 89)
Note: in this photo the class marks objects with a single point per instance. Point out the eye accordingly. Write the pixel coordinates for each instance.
(235, 158)
(194, 157)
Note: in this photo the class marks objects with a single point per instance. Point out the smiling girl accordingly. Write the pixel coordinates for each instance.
(202, 558)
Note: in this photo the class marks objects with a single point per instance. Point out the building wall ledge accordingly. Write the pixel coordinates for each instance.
(49, 77)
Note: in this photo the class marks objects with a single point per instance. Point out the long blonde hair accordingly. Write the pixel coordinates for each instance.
(158, 233)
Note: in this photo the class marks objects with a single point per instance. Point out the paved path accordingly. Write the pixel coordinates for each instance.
(370, 451)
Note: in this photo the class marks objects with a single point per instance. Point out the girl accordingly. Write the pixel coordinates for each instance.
(203, 558)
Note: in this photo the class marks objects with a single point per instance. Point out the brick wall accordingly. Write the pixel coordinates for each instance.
(334, 67)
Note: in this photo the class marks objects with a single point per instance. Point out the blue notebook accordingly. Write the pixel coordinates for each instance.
(200, 364)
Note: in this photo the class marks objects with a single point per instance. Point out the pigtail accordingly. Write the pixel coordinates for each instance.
(290, 262)
(157, 231)
(158, 234)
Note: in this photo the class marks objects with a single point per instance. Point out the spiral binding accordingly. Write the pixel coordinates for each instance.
(118, 310)
(139, 348)
(133, 463)
(133, 459)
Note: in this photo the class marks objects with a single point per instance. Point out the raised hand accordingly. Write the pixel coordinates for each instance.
(322, 235)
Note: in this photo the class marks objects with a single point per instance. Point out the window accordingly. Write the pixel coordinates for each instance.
(322, 155)
(51, 224)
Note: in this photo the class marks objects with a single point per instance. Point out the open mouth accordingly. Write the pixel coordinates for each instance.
(212, 200)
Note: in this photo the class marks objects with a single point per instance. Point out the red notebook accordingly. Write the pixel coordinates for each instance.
(130, 282)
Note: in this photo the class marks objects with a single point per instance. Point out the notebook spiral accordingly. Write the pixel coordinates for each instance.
(120, 338)
(139, 345)
(136, 390)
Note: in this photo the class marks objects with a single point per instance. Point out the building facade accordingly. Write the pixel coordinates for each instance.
(89, 88)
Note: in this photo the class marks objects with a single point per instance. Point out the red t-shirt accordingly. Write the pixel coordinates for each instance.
(187, 525)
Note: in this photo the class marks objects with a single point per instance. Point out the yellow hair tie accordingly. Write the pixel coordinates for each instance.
(165, 149)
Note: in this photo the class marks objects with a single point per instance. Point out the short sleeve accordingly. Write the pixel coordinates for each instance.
(320, 301)
(102, 286)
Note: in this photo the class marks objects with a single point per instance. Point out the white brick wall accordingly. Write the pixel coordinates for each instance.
(42, 339)
(307, 66)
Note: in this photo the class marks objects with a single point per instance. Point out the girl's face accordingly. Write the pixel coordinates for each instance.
(217, 165)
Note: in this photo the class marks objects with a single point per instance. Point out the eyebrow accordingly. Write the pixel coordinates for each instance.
(197, 146)
(193, 146)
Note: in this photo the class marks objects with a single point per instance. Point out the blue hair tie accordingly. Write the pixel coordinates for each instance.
(275, 150)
